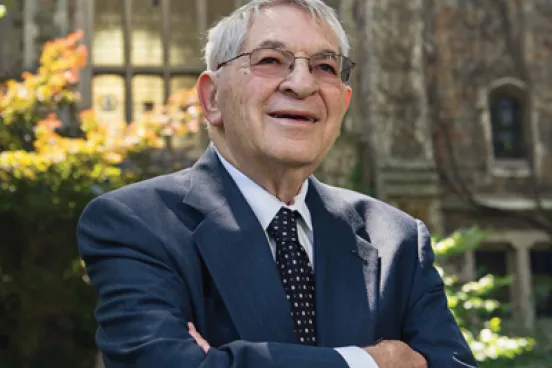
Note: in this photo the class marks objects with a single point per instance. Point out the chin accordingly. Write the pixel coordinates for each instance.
(296, 158)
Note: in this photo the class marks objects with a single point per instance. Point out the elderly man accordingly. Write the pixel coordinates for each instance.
(245, 259)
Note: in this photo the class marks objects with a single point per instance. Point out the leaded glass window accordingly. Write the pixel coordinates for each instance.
(507, 114)
(144, 50)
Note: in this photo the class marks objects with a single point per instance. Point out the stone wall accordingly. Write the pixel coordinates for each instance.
(28, 25)
(339, 167)
(11, 47)
(400, 111)
(474, 62)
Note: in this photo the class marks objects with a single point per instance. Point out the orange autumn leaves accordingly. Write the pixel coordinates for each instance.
(32, 104)
(52, 85)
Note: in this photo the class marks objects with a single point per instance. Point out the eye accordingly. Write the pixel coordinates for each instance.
(267, 57)
(328, 68)
(326, 63)
(268, 60)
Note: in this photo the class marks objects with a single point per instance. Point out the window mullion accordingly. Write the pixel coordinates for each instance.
(166, 21)
(127, 17)
(85, 17)
(201, 11)
(201, 8)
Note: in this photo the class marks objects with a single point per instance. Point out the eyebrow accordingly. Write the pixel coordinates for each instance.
(273, 44)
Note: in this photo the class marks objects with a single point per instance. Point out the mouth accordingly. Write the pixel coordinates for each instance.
(295, 116)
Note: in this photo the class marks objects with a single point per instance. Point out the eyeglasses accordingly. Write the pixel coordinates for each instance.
(278, 63)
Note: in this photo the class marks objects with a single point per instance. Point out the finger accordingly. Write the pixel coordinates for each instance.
(420, 360)
(196, 335)
(203, 344)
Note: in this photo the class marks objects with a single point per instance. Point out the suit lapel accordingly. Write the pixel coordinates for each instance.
(235, 250)
(346, 272)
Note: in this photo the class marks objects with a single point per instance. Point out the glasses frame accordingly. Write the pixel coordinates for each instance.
(345, 74)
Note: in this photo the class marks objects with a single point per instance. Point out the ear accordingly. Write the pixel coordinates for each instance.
(207, 92)
(349, 94)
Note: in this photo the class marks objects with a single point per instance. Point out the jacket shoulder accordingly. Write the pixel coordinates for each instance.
(157, 188)
(376, 214)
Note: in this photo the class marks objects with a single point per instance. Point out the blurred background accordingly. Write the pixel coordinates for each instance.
(451, 121)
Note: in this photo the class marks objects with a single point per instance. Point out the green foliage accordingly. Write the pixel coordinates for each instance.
(459, 242)
(46, 179)
(476, 311)
(5, 6)
(542, 289)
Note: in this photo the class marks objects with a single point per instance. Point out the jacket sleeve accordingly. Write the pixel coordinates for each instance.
(143, 304)
(429, 326)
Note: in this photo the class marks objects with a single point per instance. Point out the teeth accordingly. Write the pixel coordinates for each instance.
(284, 116)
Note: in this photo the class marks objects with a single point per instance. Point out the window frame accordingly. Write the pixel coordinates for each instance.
(495, 98)
(86, 13)
(506, 167)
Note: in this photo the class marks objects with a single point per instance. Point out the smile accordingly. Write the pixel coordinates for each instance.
(294, 117)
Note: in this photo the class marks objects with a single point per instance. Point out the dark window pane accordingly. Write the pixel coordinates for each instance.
(147, 95)
(108, 93)
(185, 49)
(490, 262)
(146, 33)
(108, 42)
(507, 127)
(541, 266)
(493, 262)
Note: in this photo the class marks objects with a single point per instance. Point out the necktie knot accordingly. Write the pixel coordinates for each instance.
(283, 227)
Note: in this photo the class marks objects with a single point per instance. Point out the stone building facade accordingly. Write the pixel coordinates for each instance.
(460, 93)
(450, 119)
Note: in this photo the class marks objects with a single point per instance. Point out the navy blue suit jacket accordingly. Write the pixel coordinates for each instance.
(187, 247)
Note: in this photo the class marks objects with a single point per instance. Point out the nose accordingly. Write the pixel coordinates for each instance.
(300, 82)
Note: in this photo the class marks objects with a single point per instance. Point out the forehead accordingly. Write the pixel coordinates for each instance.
(283, 23)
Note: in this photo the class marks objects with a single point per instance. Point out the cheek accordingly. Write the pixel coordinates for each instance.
(336, 108)
(235, 103)
(336, 105)
(244, 108)
(255, 97)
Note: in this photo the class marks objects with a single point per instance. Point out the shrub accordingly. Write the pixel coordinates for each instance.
(477, 312)
(49, 170)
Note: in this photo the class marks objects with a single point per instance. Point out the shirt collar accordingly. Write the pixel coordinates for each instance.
(264, 204)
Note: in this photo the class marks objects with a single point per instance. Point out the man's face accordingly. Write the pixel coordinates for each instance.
(257, 112)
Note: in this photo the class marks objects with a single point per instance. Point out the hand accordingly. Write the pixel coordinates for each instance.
(198, 338)
(395, 354)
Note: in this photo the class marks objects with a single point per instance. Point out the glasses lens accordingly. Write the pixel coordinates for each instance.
(271, 62)
(346, 69)
(326, 67)
(278, 63)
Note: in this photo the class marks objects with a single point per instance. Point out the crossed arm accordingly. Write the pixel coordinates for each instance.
(386, 353)
(144, 309)
(144, 305)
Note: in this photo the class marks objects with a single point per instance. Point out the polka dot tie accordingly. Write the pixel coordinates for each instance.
(296, 272)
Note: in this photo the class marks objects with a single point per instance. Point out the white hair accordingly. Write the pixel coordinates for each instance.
(226, 38)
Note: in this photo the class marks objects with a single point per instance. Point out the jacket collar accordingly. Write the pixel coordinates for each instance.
(234, 248)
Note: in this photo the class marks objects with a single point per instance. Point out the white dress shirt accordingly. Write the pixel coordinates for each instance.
(266, 206)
